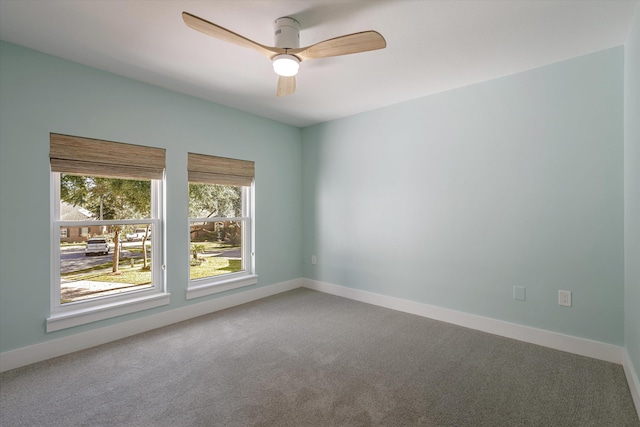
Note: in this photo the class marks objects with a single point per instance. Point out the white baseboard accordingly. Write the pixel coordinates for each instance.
(57, 347)
(571, 344)
(632, 379)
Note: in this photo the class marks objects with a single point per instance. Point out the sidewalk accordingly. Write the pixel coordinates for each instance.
(84, 289)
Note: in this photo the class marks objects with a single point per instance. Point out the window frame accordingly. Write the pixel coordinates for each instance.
(77, 313)
(215, 284)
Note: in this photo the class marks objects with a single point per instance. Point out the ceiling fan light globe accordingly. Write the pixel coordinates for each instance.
(286, 65)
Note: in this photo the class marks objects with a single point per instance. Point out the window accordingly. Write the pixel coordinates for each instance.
(221, 224)
(63, 233)
(107, 190)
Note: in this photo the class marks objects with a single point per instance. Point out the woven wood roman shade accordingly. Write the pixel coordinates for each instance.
(94, 157)
(220, 170)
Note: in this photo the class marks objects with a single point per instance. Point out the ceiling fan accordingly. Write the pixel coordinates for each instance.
(287, 54)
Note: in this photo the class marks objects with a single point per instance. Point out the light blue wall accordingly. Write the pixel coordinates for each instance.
(453, 199)
(41, 94)
(632, 191)
(449, 200)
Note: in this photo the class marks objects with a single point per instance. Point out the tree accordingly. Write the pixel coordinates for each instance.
(108, 199)
(145, 262)
(209, 200)
(213, 200)
(133, 200)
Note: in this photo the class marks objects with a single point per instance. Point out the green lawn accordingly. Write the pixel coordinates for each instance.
(214, 266)
(214, 246)
(102, 273)
(126, 274)
(207, 266)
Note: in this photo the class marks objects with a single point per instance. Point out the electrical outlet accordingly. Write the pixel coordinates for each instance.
(314, 260)
(519, 293)
(564, 298)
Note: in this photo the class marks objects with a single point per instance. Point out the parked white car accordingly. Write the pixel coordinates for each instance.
(97, 246)
(138, 234)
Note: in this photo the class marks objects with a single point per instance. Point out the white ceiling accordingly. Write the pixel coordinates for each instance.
(432, 46)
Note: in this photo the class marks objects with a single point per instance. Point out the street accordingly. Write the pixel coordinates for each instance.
(73, 258)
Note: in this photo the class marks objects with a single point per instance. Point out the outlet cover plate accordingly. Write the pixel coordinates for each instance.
(519, 293)
(564, 298)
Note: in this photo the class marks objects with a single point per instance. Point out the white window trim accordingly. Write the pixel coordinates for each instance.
(213, 285)
(104, 311)
(81, 312)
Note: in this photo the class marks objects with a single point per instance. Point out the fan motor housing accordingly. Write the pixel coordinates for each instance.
(287, 33)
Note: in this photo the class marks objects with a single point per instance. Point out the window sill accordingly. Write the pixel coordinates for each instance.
(81, 316)
(197, 290)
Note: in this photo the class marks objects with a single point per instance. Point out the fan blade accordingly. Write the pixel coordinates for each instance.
(213, 30)
(343, 45)
(286, 85)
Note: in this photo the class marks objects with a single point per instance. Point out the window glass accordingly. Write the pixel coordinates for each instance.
(217, 227)
(105, 248)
